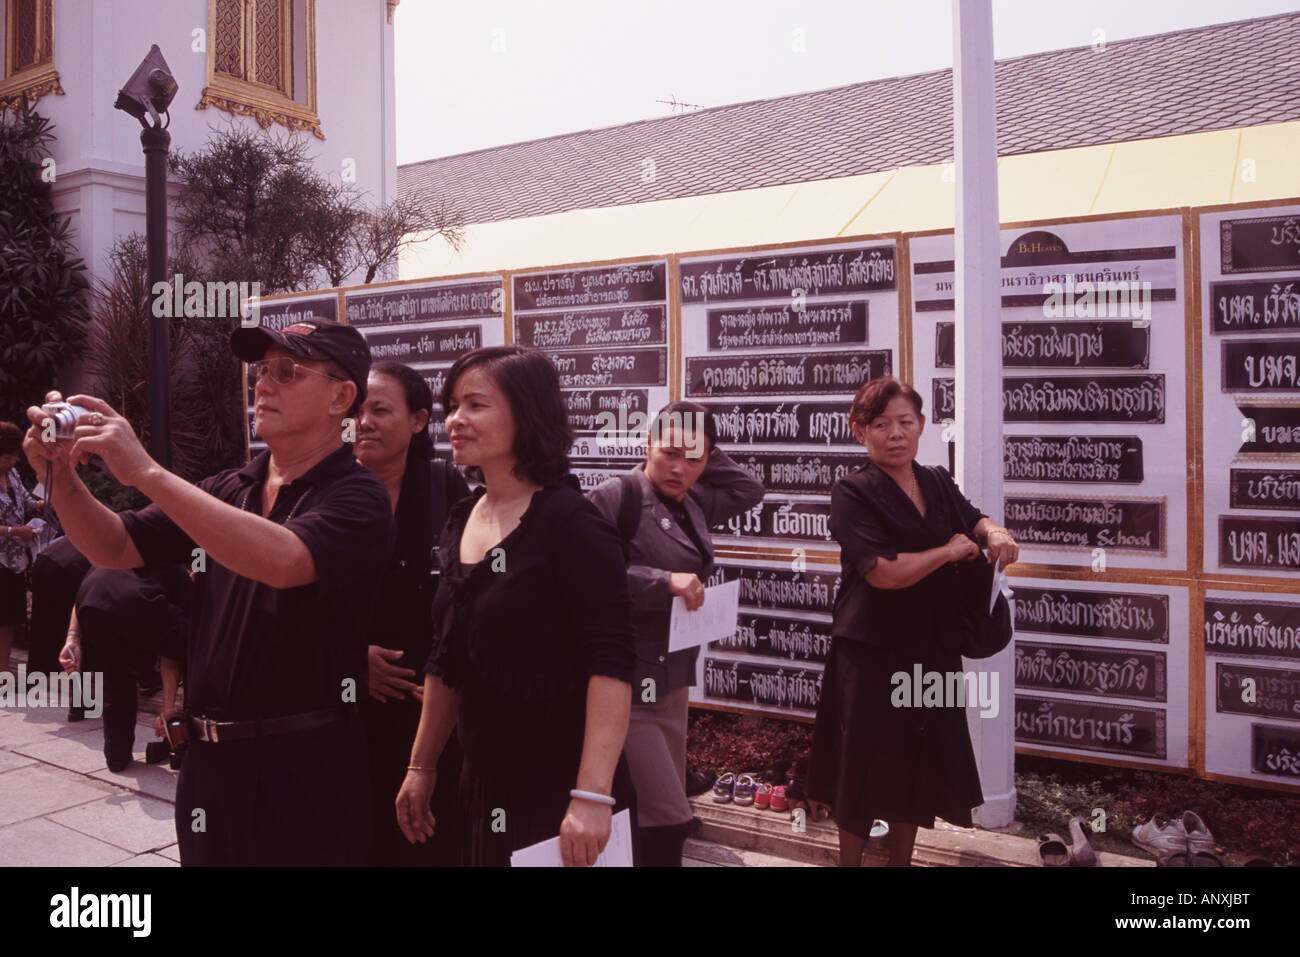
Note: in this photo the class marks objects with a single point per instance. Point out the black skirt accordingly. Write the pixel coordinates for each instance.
(873, 760)
(13, 598)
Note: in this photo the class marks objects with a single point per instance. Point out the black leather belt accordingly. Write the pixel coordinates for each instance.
(215, 732)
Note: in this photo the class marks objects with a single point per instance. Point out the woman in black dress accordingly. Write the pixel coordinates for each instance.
(533, 647)
(393, 442)
(897, 525)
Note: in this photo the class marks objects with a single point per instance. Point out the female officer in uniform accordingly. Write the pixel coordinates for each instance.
(686, 486)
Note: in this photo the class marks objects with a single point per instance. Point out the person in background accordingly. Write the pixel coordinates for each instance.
(533, 644)
(123, 620)
(393, 442)
(686, 486)
(56, 576)
(897, 526)
(19, 526)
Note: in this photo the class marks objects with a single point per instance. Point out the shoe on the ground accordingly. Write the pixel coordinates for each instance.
(763, 796)
(1161, 837)
(118, 757)
(1053, 851)
(745, 788)
(724, 788)
(1081, 852)
(1199, 838)
(698, 780)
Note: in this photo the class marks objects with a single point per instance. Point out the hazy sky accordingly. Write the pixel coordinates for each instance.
(473, 75)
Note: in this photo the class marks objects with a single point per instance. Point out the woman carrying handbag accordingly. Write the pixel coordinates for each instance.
(901, 605)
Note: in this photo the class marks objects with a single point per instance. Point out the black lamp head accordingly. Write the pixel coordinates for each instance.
(151, 88)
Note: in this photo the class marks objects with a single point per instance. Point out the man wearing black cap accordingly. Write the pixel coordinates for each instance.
(283, 547)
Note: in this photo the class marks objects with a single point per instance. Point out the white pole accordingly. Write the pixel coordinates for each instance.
(979, 359)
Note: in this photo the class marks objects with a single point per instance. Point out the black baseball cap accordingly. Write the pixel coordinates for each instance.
(310, 338)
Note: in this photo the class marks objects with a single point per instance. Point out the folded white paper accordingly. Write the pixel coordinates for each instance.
(617, 853)
(712, 621)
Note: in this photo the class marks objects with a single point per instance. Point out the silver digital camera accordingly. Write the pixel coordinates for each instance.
(64, 416)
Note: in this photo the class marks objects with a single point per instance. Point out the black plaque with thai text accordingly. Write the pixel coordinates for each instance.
(581, 369)
(430, 344)
(779, 589)
(827, 323)
(772, 518)
(1086, 670)
(797, 689)
(1139, 399)
(1250, 628)
(1265, 305)
(1072, 458)
(1270, 429)
(1266, 244)
(1261, 365)
(1091, 726)
(404, 305)
(785, 275)
(278, 313)
(1087, 523)
(1275, 750)
(1277, 489)
(784, 423)
(1074, 613)
(590, 328)
(768, 636)
(806, 473)
(601, 286)
(1256, 691)
(822, 373)
(1059, 345)
(1256, 541)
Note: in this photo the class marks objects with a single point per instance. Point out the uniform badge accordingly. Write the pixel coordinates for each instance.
(665, 524)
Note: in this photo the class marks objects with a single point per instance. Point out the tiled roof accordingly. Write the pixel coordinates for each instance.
(1218, 77)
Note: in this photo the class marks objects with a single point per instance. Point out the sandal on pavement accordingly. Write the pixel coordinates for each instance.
(1081, 852)
(723, 788)
(745, 788)
(1053, 851)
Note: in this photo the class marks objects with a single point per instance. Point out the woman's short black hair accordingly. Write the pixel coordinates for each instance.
(11, 438)
(685, 415)
(418, 396)
(875, 395)
(532, 387)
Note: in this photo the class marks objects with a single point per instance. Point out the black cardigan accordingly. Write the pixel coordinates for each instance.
(872, 518)
(538, 618)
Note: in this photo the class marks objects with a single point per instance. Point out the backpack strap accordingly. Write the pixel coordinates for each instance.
(629, 509)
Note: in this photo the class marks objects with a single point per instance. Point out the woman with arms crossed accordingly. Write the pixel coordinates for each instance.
(533, 648)
(896, 523)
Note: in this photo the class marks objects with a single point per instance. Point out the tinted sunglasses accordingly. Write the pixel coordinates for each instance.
(282, 370)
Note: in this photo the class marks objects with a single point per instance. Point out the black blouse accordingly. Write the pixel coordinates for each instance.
(541, 616)
(872, 518)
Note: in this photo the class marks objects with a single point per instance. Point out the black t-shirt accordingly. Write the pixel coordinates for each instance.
(258, 651)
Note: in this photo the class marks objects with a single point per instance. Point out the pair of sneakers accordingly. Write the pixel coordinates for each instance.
(739, 788)
(1177, 842)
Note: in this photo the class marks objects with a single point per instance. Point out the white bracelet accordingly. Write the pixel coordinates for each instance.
(593, 796)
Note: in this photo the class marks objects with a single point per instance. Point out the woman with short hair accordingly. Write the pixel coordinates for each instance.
(898, 525)
(533, 647)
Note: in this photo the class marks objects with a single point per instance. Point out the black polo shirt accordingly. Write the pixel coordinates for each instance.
(257, 651)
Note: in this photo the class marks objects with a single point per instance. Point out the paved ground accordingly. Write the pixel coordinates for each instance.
(60, 805)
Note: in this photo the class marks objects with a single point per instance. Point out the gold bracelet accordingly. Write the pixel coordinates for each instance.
(417, 767)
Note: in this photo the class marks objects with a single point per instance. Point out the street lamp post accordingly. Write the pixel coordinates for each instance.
(150, 92)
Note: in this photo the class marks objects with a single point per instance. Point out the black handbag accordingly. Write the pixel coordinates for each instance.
(979, 633)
